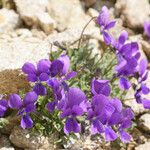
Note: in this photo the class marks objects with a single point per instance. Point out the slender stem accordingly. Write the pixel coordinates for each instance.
(113, 79)
(110, 50)
(51, 55)
(128, 99)
(38, 117)
(99, 60)
(56, 43)
(81, 36)
(109, 67)
(124, 92)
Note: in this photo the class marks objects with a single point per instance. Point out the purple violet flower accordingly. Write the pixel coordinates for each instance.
(126, 67)
(129, 50)
(72, 125)
(74, 104)
(147, 28)
(60, 66)
(103, 19)
(128, 57)
(24, 107)
(58, 93)
(105, 113)
(99, 113)
(39, 75)
(107, 38)
(3, 107)
(58, 85)
(110, 134)
(66, 64)
(121, 118)
(124, 83)
(59, 88)
(105, 24)
(117, 44)
(143, 89)
(100, 87)
(143, 73)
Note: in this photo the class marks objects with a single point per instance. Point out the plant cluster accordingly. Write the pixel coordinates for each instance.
(88, 97)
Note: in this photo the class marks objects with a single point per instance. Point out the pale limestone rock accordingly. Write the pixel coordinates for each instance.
(64, 11)
(92, 12)
(39, 34)
(73, 18)
(145, 146)
(34, 14)
(146, 48)
(23, 33)
(10, 123)
(144, 122)
(73, 15)
(133, 12)
(5, 143)
(46, 22)
(89, 3)
(9, 20)
(7, 148)
(28, 10)
(100, 3)
(16, 51)
(137, 108)
(9, 4)
(24, 139)
(83, 142)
